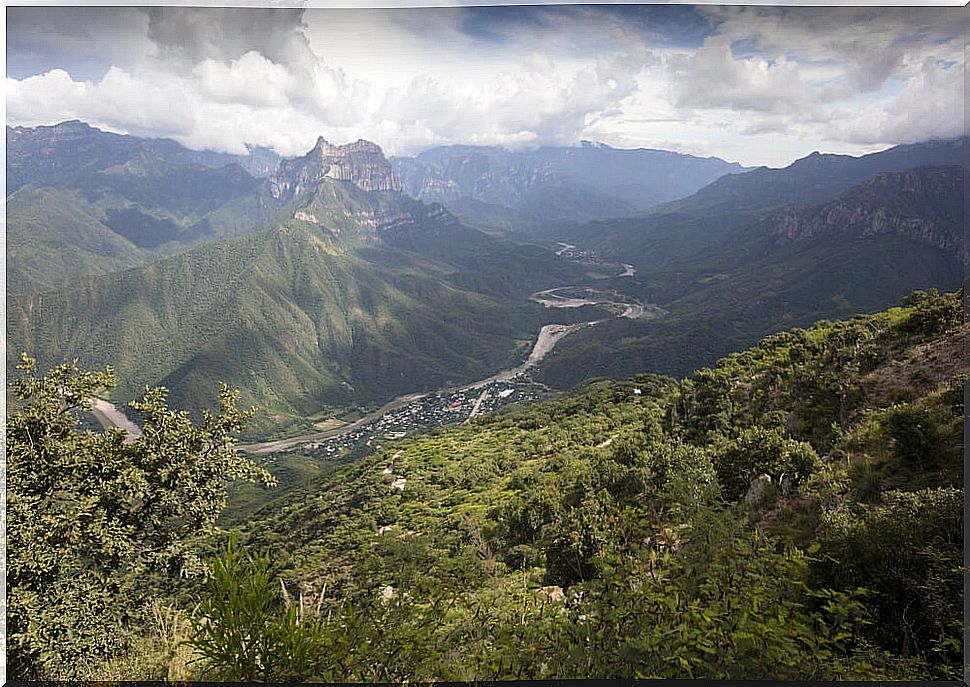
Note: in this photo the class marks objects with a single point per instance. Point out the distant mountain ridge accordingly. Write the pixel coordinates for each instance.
(84, 201)
(816, 177)
(526, 189)
(35, 154)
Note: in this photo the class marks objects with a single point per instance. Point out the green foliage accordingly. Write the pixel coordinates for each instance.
(916, 438)
(92, 517)
(933, 313)
(578, 538)
(758, 451)
(245, 631)
(600, 533)
(908, 551)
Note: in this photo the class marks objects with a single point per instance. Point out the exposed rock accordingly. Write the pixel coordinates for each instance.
(924, 204)
(361, 163)
(758, 489)
(555, 593)
(387, 593)
(399, 483)
(305, 217)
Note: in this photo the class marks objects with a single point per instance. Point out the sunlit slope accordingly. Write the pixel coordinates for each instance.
(637, 496)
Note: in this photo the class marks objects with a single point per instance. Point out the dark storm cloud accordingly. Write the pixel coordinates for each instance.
(86, 41)
(196, 34)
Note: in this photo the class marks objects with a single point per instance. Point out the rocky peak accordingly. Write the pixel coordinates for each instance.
(362, 163)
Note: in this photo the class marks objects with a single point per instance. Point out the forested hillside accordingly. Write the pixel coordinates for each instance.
(320, 289)
(82, 202)
(728, 275)
(793, 512)
(289, 317)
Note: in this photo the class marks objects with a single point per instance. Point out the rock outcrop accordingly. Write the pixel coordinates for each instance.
(361, 163)
(924, 204)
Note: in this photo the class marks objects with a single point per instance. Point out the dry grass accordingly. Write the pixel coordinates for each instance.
(918, 371)
(329, 423)
(159, 654)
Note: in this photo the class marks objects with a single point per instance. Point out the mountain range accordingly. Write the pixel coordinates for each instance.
(340, 279)
(339, 290)
(529, 191)
(828, 236)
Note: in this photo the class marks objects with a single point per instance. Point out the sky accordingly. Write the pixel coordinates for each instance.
(759, 85)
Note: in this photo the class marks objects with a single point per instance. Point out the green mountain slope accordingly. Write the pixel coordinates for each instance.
(54, 235)
(82, 201)
(730, 526)
(357, 293)
(727, 279)
(295, 319)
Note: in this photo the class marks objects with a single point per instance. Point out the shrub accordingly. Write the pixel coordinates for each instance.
(757, 451)
(908, 551)
(245, 631)
(916, 438)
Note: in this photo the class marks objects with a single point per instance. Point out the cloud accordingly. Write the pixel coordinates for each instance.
(779, 78)
(713, 78)
(196, 34)
(539, 103)
(871, 44)
(914, 114)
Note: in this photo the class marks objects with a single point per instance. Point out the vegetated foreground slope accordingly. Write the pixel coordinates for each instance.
(794, 512)
(728, 277)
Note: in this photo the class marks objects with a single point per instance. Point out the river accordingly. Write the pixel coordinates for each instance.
(549, 336)
(110, 416)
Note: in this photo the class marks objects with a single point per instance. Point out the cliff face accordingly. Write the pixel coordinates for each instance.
(362, 163)
(924, 204)
(490, 175)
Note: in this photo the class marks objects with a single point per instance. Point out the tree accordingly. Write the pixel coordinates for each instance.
(757, 451)
(932, 312)
(91, 516)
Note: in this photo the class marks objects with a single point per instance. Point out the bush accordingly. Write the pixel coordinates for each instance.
(908, 551)
(932, 312)
(758, 451)
(916, 438)
(245, 631)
